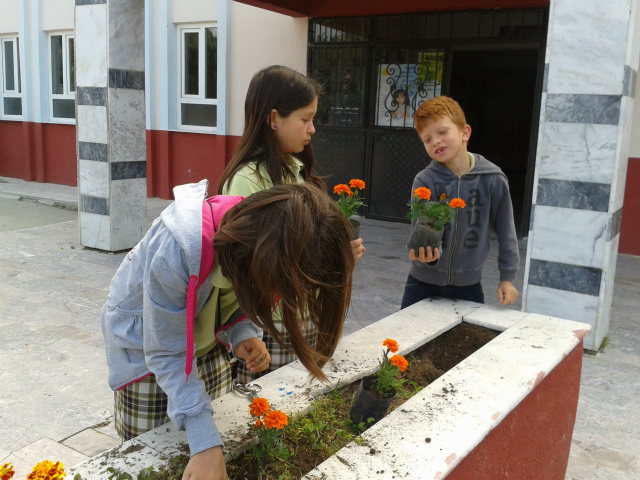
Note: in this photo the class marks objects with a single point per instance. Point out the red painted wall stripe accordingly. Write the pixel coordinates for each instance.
(630, 225)
(534, 439)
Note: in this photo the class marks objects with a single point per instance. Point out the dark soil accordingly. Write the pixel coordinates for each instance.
(330, 416)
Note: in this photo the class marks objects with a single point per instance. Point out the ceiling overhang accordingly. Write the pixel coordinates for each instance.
(350, 8)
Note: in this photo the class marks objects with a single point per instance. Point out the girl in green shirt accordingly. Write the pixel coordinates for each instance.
(275, 149)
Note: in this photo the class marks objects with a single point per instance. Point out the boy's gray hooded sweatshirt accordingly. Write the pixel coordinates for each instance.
(466, 239)
(144, 320)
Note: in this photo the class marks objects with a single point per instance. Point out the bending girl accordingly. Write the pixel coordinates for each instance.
(289, 246)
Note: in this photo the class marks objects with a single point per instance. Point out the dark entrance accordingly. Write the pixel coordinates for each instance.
(378, 70)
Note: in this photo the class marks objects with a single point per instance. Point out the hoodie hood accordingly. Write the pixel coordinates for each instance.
(482, 167)
(183, 218)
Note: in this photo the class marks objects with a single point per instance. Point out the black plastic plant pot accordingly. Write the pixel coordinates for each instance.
(355, 228)
(423, 235)
(366, 405)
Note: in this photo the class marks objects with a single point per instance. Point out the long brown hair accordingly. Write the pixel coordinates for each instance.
(285, 90)
(290, 243)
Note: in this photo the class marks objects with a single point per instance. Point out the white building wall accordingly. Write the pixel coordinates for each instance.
(260, 38)
(191, 11)
(57, 15)
(9, 16)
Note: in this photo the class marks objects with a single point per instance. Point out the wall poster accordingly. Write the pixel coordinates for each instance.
(403, 87)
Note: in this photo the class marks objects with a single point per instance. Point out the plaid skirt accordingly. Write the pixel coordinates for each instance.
(279, 356)
(142, 406)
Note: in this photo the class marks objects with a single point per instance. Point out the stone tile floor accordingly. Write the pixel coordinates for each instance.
(55, 403)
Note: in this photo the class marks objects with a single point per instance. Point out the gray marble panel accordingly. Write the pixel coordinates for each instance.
(588, 44)
(128, 212)
(93, 178)
(562, 304)
(578, 195)
(126, 34)
(577, 152)
(90, 2)
(545, 79)
(614, 224)
(126, 79)
(629, 129)
(598, 109)
(533, 211)
(91, 45)
(128, 170)
(97, 205)
(96, 96)
(95, 231)
(562, 276)
(93, 151)
(553, 224)
(630, 79)
(127, 126)
(92, 124)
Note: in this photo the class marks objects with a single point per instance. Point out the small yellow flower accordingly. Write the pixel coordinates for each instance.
(47, 470)
(7, 472)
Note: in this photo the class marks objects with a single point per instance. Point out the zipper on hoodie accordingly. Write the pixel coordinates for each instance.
(455, 235)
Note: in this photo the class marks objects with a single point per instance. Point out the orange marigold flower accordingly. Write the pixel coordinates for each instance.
(391, 345)
(275, 419)
(259, 406)
(400, 362)
(7, 471)
(423, 193)
(355, 183)
(443, 196)
(457, 203)
(47, 470)
(342, 188)
(259, 423)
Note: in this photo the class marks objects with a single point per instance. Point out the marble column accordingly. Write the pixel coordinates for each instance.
(110, 127)
(585, 126)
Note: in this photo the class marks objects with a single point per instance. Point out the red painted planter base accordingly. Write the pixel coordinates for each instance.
(534, 440)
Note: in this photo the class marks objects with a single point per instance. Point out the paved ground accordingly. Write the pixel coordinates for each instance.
(54, 401)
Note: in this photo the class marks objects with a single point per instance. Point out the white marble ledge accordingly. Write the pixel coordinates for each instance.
(494, 317)
(481, 391)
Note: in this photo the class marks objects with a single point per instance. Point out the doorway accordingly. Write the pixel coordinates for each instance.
(497, 91)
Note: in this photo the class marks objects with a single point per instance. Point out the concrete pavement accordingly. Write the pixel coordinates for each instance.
(54, 400)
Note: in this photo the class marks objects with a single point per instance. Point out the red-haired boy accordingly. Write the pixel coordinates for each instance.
(455, 270)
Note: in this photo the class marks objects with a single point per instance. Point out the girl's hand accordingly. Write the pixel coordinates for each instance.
(425, 256)
(206, 465)
(507, 293)
(358, 248)
(254, 352)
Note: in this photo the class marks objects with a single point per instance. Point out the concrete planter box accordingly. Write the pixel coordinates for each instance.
(507, 411)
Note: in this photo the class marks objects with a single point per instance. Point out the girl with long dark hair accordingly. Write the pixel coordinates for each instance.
(275, 149)
(169, 323)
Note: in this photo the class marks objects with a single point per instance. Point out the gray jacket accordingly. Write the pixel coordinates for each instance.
(146, 322)
(466, 239)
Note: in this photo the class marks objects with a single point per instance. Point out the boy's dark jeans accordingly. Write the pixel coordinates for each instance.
(416, 290)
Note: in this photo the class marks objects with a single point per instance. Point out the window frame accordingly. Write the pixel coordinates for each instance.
(66, 84)
(17, 72)
(199, 99)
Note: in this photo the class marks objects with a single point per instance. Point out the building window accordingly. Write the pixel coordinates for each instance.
(62, 86)
(11, 105)
(197, 109)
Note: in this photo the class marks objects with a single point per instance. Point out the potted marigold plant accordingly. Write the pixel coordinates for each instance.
(431, 216)
(350, 201)
(377, 391)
